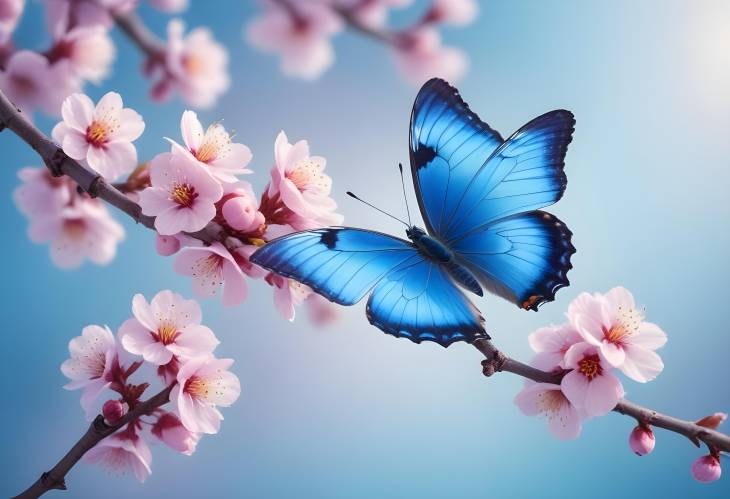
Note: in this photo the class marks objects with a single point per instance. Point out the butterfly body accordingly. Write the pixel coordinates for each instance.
(479, 196)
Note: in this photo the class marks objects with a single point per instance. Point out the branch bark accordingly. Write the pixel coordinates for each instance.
(55, 478)
(496, 361)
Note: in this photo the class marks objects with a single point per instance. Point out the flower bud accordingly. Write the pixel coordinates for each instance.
(240, 213)
(706, 469)
(713, 420)
(642, 440)
(167, 245)
(113, 411)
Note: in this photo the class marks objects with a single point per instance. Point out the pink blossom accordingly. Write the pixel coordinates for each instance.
(420, 56)
(31, 82)
(590, 386)
(614, 324)
(239, 209)
(167, 326)
(122, 452)
(170, 430)
(10, 11)
(196, 65)
(113, 411)
(203, 384)
(166, 245)
(301, 36)
(321, 311)
(371, 13)
(212, 148)
(42, 194)
(547, 400)
(242, 254)
(64, 15)
(78, 231)
(90, 367)
(641, 440)
(706, 469)
(89, 51)
(300, 181)
(100, 136)
(182, 195)
(551, 343)
(170, 6)
(454, 12)
(288, 293)
(210, 267)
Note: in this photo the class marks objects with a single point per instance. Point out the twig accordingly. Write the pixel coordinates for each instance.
(496, 361)
(98, 430)
(132, 26)
(88, 180)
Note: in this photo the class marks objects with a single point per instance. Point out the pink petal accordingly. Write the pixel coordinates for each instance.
(170, 221)
(157, 354)
(192, 130)
(142, 311)
(527, 400)
(283, 302)
(649, 336)
(619, 297)
(575, 388)
(77, 112)
(155, 201)
(91, 393)
(114, 159)
(567, 423)
(131, 126)
(602, 395)
(235, 288)
(545, 339)
(641, 364)
(135, 337)
(75, 145)
(613, 353)
(195, 340)
(547, 361)
(576, 353)
(590, 329)
(111, 102)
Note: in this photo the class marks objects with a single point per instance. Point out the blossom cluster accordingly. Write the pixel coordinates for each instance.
(168, 336)
(604, 334)
(82, 50)
(301, 33)
(195, 182)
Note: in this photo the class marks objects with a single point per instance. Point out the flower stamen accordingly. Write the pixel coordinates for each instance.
(590, 366)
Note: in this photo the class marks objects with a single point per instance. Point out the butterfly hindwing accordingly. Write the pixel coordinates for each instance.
(341, 264)
(419, 301)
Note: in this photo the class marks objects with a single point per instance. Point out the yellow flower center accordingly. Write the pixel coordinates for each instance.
(98, 133)
(197, 387)
(627, 323)
(307, 174)
(166, 333)
(215, 144)
(590, 366)
(183, 194)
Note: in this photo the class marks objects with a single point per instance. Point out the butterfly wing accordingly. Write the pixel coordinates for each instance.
(341, 264)
(419, 301)
(413, 297)
(468, 180)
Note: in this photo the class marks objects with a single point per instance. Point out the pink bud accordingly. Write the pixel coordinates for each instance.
(713, 420)
(113, 411)
(642, 440)
(167, 245)
(241, 213)
(706, 469)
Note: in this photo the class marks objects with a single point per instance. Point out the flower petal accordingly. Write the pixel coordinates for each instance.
(641, 364)
(602, 394)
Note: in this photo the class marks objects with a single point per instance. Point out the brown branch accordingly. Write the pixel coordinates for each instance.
(131, 25)
(88, 180)
(98, 430)
(496, 361)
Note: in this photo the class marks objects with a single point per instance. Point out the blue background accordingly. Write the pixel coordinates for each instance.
(348, 411)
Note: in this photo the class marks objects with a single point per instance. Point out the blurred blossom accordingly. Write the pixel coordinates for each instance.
(202, 385)
(212, 148)
(300, 35)
(10, 12)
(182, 196)
(321, 311)
(124, 451)
(93, 358)
(89, 51)
(614, 324)
(168, 325)
(706, 469)
(288, 293)
(169, 429)
(420, 56)
(32, 83)
(589, 385)
(170, 6)
(196, 65)
(371, 13)
(42, 194)
(167, 245)
(454, 12)
(303, 187)
(548, 401)
(100, 137)
(210, 267)
(64, 15)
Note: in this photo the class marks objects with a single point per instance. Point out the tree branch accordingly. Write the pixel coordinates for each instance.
(88, 180)
(131, 25)
(496, 361)
(98, 430)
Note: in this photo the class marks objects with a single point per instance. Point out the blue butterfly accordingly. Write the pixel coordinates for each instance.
(479, 196)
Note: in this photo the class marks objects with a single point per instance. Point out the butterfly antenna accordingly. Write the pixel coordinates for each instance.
(403, 185)
(376, 208)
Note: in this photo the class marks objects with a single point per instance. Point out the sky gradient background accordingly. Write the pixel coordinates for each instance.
(351, 412)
